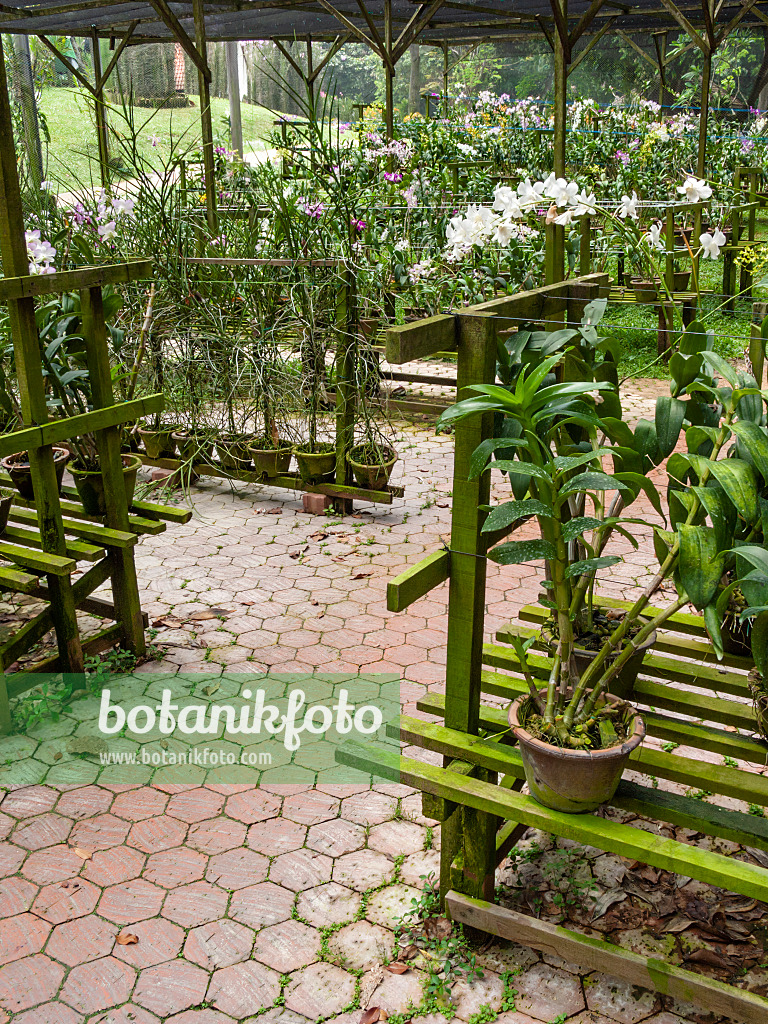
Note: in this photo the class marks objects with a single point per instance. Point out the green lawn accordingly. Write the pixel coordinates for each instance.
(72, 155)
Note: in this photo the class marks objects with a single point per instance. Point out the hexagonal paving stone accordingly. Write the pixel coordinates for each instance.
(276, 836)
(100, 833)
(319, 991)
(219, 944)
(361, 945)
(236, 869)
(310, 808)
(336, 837)
(327, 904)
(287, 946)
(64, 901)
(170, 987)
(420, 865)
(207, 1016)
(97, 985)
(261, 905)
(618, 999)
(21, 936)
(546, 991)
(45, 830)
(195, 805)
(244, 988)
(30, 981)
(11, 858)
(159, 940)
(390, 904)
(178, 866)
(129, 1013)
(76, 942)
(195, 904)
(216, 835)
(368, 808)
(156, 834)
(16, 895)
(29, 801)
(252, 806)
(131, 901)
(468, 997)
(363, 870)
(55, 864)
(397, 992)
(111, 867)
(85, 803)
(397, 837)
(138, 804)
(49, 1013)
(300, 870)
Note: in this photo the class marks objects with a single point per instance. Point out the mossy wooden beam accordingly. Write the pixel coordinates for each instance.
(16, 581)
(57, 431)
(31, 539)
(418, 580)
(24, 680)
(80, 523)
(38, 561)
(595, 954)
(613, 837)
(418, 340)
(95, 533)
(27, 287)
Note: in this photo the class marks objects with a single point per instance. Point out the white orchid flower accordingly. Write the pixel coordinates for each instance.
(564, 218)
(506, 202)
(504, 232)
(585, 204)
(628, 206)
(653, 236)
(107, 231)
(530, 195)
(563, 192)
(694, 189)
(711, 244)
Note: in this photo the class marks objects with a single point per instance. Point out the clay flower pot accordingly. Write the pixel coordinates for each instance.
(372, 475)
(90, 485)
(18, 469)
(316, 466)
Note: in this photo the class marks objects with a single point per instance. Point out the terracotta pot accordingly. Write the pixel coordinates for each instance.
(574, 781)
(6, 500)
(194, 445)
(315, 466)
(374, 477)
(271, 461)
(645, 291)
(159, 444)
(18, 469)
(623, 684)
(233, 452)
(682, 277)
(90, 485)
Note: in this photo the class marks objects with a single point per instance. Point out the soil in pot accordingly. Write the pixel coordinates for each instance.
(317, 465)
(17, 467)
(6, 500)
(575, 781)
(372, 465)
(589, 644)
(194, 445)
(90, 485)
(233, 452)
(159, 444)
(268, 458)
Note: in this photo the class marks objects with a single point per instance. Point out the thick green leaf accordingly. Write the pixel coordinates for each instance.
(462, 410)
(737, 480)
(511, 511)
(516, 552)
(754, 554)
(566, 462)
(760, 643)
(754, 440)
(589, 565)
(662, 543)
(721, 513)
(522, 469)
(701, 565)
(670, 413)
(592, 482)
(721, 367)
(712, 623)
(483, 452)
(637, 482)
(576, 527)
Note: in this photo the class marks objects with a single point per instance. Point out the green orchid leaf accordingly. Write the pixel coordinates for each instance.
(721, 512)
(670, 413)
(701, 565)
(737, 480)
(511, 511)
(759, 638)
(517, 552)
(712, 624)
(576, 527)
(754, 440)
(589, 565)
(592, 482)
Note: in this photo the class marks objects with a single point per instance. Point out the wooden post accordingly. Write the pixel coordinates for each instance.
(555, 235)
(206, 123)
(101, 112)
(233, 88)
(346, 383)
(446, 71)
(389, 74)
(585, 246)
(660, 41)
(745, 281)
(701, 161)
(476, 341)
(669, 242)
(31, 386)
(125, 588)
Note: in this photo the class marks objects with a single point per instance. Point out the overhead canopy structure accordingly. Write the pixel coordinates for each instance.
(388, 27)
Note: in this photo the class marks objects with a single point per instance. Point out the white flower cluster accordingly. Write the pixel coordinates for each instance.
(109, 211)
(40, 252)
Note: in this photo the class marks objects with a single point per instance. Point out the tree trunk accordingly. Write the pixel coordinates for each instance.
(414, 87)
(757, 95)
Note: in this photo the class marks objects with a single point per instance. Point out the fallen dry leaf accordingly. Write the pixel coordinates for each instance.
(397, 968)
(168, 620)
(371, 1015)
(248, 604)
(58, 755)
(201, 616)
(126, 939)
(210, 690)
(82, 854)
(314, 602)
(362, 575)
(319, 535)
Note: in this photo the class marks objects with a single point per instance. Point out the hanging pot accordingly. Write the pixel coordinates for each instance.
(372, 475)
(645, 291)
(574, 781)
(18, 469)
(90, 485)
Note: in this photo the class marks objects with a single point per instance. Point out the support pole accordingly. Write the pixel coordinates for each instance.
(389, 74)
(555, 253)
(28, 100)
(101, 111)
(660, 41)
(233, 88)
(701, 161)
(206, 123)
(446, 71)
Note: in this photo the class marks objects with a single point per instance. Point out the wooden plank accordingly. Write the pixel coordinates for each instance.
(20, 682)
(41, 562)
(15, 581)
(75, 511)
(157, 511)
(418, 580)
(420, 339)
(93, 532)
(71, 280)
(57, 431)
(595, 954)
(658, 851)
(75, 549)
